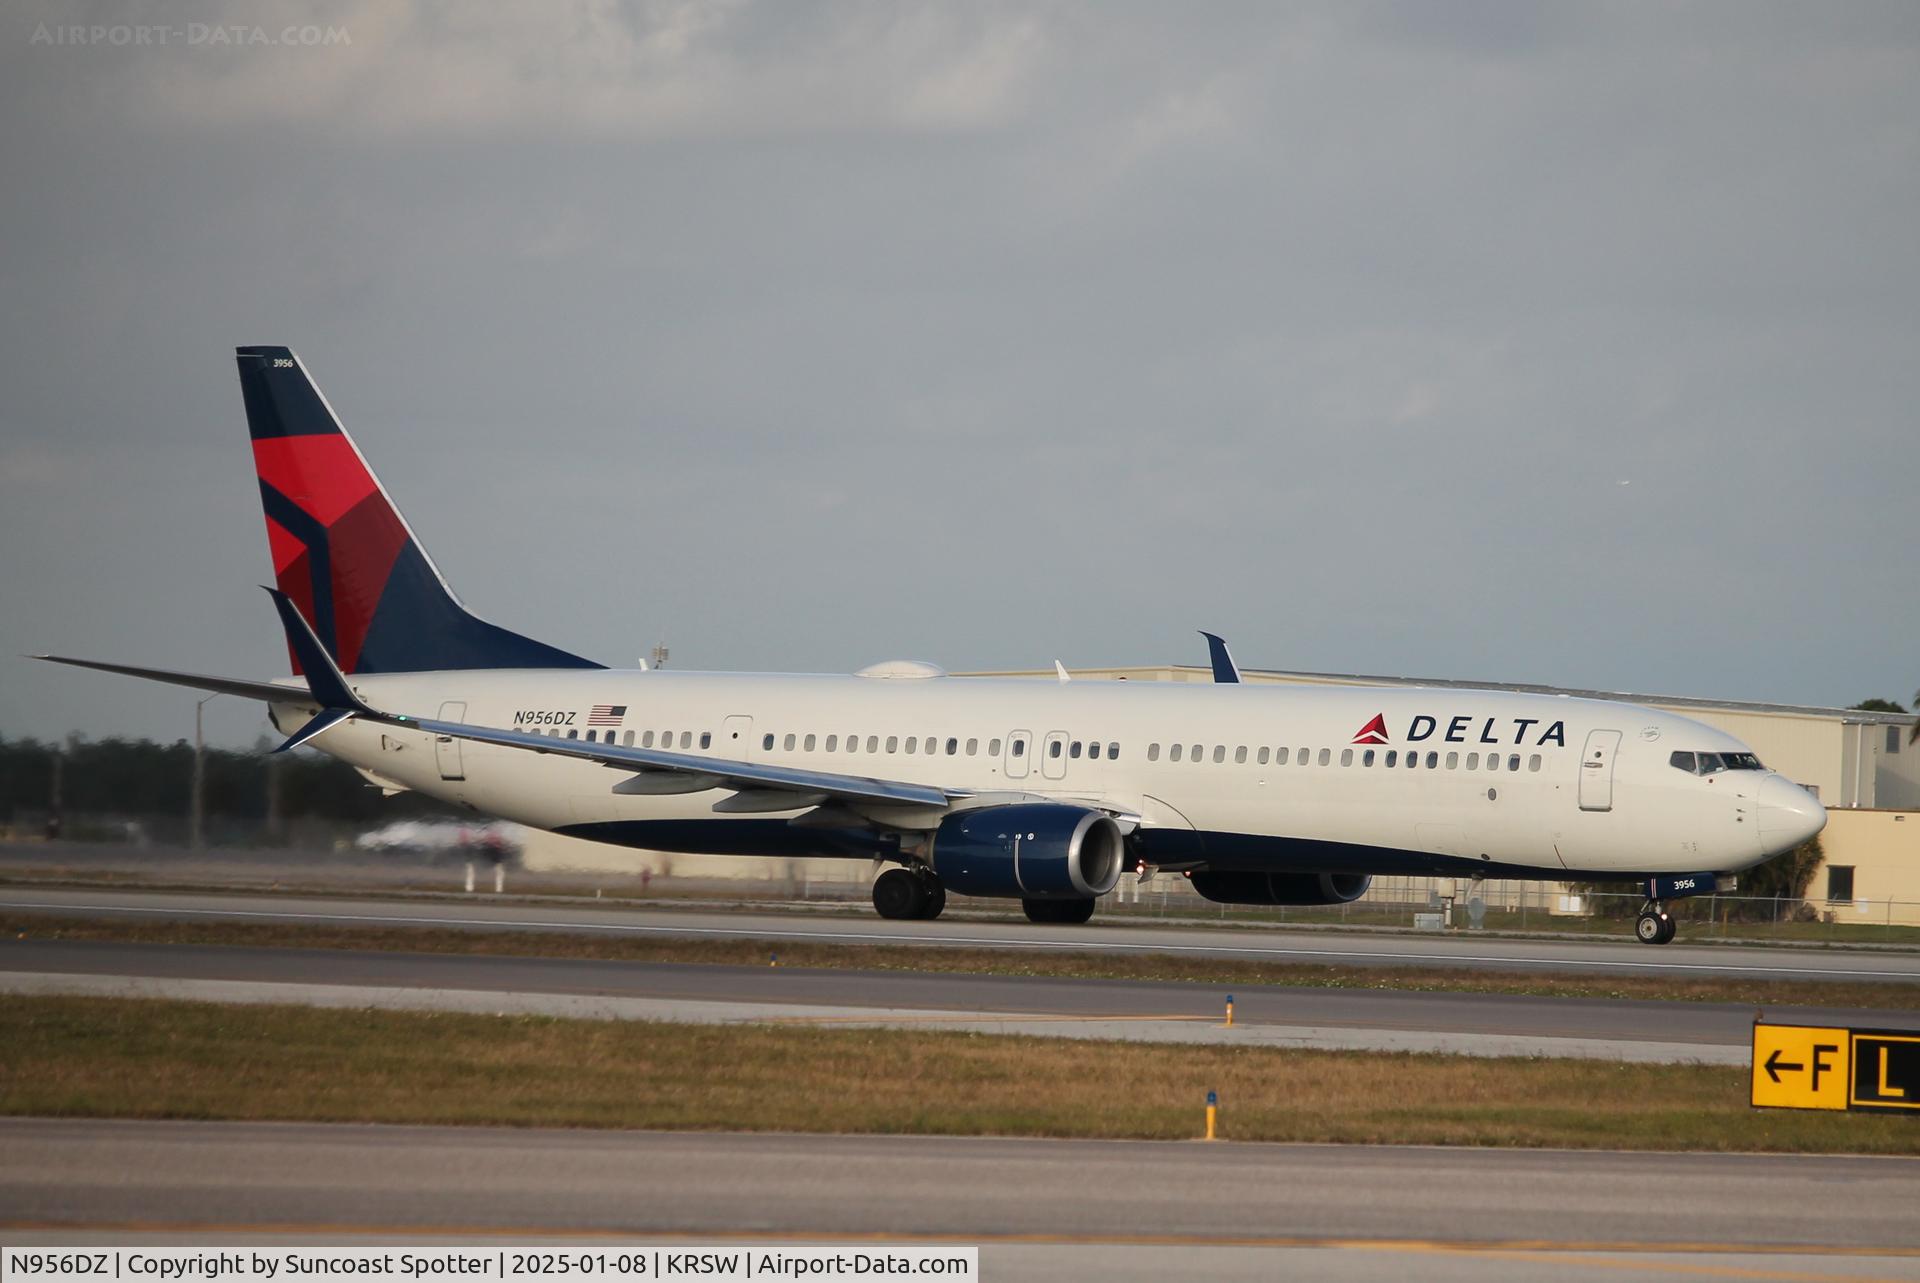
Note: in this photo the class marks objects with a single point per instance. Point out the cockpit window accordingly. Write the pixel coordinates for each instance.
(1714, 763)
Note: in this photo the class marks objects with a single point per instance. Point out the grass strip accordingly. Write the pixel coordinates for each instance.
(131, 1058)
(1090, 965)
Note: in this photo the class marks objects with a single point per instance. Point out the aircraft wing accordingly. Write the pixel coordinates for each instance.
(271, 692)
(725, 773)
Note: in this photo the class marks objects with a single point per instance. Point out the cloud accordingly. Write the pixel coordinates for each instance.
(595, 69)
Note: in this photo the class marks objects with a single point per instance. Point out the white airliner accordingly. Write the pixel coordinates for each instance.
(1036, 790)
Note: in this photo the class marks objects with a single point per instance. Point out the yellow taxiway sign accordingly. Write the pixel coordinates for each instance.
(1801, 1066)
(1817, 1067)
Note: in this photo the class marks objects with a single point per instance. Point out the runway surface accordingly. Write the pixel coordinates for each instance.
(1270, 944)
(1311, 1211)
(1364, 1019)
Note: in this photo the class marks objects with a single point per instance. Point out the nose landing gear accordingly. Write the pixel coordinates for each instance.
(1654, 925)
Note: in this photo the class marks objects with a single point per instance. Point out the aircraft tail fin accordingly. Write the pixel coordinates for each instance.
(343, 553)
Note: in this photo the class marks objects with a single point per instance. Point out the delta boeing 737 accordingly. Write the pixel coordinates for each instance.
(1042, 791)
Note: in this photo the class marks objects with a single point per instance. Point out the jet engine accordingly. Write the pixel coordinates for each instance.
(1224, 886)
(1033, 851)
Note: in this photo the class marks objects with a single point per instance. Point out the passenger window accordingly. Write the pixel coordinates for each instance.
(1513, 762)
(1366, 759)
(1393, 757)
(626, 739)
(1533, 763)
(1326, 755)
(706, 739)
(1073, 749)
(1019, 748)
(1240, 756)
(1433, 761)
(686, 739)
(1194, 752)
(833, 743)
(913, 743)
(953, 746)
(973, 748)
(1093, 750)
(1219, 752)
(646, 741)
(1453, 761)
(1346, 757)
(766, 742)
(873, 743)
(1264, 751)
(1412, 759)
(1153, 752)
(807, 744)
(993, 748)
(1113, 751)
(1303, 756)
(573, 735)
(1280, 757)
(591, 735)
(789, 744)
(1173, 754)
(1053, 749)
(893, 743)
(930, 746)
(1473, 761)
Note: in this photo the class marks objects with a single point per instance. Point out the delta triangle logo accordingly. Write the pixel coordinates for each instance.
(1374, 732)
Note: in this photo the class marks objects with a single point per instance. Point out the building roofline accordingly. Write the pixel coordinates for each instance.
(1856, 716)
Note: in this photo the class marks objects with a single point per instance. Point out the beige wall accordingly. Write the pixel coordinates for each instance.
(1883, 849)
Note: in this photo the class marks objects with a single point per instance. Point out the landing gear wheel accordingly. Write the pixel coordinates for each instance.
(936, 900)
(1061, 911)
(1668, 929)
(900, 895)
(1653, 926)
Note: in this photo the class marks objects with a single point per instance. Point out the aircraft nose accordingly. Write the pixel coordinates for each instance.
(1788, 814)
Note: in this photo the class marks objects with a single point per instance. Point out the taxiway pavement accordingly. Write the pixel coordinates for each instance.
(1264, 1015)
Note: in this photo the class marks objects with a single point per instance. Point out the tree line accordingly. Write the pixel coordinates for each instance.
(142, 777)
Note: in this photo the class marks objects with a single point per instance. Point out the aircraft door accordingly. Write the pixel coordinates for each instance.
(736, 737)
(446, 749)
(1019, 746)
(1053, 755)
(1596, 770)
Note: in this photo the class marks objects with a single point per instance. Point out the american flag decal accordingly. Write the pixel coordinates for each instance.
(606, 714)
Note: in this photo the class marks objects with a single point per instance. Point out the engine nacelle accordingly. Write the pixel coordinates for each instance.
(1032, 850)
(1224, 886)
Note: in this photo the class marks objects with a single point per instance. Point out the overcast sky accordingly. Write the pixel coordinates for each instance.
(1572, 344)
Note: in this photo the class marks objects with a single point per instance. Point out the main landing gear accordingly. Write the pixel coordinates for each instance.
(909, 895)
(1654, 925)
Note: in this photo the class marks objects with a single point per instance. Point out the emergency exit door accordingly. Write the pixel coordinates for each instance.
(1596, 770)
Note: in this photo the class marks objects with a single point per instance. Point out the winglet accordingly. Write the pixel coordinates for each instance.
(1061, 669)
(1225, 671)
(324, 679)
(325, 720)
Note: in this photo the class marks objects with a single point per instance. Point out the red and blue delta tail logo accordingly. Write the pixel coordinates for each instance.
(343, 553)
(1374, 732)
